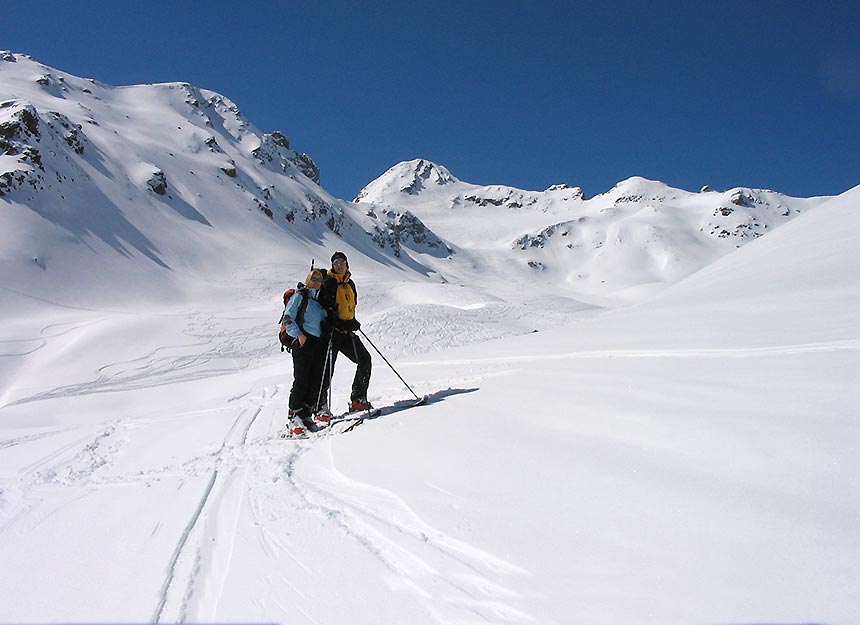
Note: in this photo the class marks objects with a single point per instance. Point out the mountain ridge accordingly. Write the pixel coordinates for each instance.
(129, 185)
(639, 234)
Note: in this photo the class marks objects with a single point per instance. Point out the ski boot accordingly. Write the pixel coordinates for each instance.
(323, 415)
(296, 424)
(357, 405)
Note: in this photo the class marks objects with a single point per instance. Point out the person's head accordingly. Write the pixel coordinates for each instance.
(339, 264)
(314, 279)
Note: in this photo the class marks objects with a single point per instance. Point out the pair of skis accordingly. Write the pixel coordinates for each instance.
(311, 429)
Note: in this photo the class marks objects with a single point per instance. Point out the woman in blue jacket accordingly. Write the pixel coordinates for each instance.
(304, 319)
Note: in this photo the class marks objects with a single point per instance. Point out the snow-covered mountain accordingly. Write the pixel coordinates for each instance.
(638, 236)
(139, 184)
(131, 186)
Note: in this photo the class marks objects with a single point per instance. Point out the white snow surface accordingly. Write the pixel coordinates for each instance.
(634, 446)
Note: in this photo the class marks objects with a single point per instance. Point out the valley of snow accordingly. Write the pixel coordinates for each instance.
(630, 419)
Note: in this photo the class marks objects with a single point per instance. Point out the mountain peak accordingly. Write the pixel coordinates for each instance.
(638, 184)
(409, 177)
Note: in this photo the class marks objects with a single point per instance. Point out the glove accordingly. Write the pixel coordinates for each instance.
(353, 325)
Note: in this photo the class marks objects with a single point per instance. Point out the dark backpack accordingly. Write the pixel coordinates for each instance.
(285, 339)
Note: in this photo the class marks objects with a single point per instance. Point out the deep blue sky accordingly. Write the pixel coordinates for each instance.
(752, 93)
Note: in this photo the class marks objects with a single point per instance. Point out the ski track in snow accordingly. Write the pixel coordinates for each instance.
(13, 442)
(183, 569)
(65, 468)
(424, 328)
(28, 346)
(77, 468)
(451, 580)
(229, 350)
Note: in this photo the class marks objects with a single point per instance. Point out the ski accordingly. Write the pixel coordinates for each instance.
(308, 428)
(387, 410)
(407, 404)
(353, 415)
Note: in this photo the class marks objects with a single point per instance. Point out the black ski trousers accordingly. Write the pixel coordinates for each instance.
(348, 344)
(308, 371)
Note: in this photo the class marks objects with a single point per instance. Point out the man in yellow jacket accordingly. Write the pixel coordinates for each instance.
(339, 295)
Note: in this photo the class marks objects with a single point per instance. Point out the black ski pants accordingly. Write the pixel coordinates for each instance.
(308, 371)
(348, 344)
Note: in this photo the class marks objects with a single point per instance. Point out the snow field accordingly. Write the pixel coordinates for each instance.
(690, 456)
(533, 486)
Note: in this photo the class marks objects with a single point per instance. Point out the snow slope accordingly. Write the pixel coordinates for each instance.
(692, 458)
(154, 193)
(643, 477)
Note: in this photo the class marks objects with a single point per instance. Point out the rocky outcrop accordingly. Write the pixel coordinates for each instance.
(306, 165)
(19, 136)
(158, 182)
(395, 229)
(741, 197)
(501, 196)
(745, 214)
(274, 150)
(23, 131)
(319, 209)
(570, 193)
(540, 239)
(72, 134)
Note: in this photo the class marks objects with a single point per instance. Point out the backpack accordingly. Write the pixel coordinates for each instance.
(285, 339)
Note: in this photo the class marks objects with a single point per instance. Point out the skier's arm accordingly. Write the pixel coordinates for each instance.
(289, 318)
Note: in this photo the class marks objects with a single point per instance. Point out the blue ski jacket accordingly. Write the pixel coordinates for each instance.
(315, 314)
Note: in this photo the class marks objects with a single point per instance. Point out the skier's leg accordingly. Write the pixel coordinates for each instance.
(361, 381)
(302, 371)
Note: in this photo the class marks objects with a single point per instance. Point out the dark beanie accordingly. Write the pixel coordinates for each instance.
(337, 255)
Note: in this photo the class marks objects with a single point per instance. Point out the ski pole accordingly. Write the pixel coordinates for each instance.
(330, 367)
(326, 370)
(388, 363)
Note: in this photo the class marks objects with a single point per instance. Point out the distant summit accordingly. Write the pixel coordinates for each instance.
(409, 177)
(637, 188)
